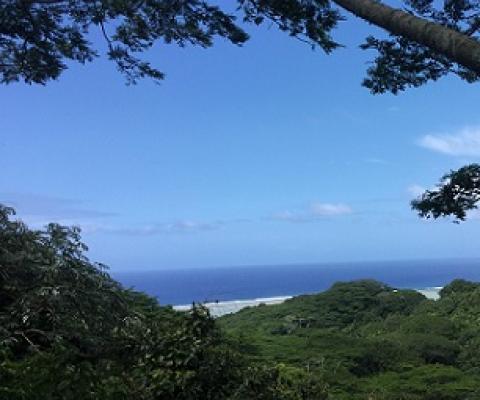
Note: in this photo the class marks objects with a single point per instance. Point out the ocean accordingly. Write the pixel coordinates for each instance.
(273, 283)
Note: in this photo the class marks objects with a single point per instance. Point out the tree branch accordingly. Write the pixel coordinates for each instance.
(455, 45)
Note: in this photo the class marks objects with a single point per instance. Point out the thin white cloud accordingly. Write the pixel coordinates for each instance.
(154, 229)
(286, 215)
(374, 160)
(39, 207)
(327, 209)
(178, 227)
(314, 212)
(40, 210)
(465, 142)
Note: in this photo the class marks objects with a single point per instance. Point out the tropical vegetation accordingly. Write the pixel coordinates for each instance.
(69, 331)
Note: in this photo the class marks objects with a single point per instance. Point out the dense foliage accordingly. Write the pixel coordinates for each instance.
(457, 193)
(403, 63)
(69, 331)
(365, 340)
(39, 37)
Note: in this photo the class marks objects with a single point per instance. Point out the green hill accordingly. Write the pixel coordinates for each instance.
(366, 340)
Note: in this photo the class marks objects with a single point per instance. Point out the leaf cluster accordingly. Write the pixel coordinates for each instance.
(401, 63)
(39, 38)
(457, 193)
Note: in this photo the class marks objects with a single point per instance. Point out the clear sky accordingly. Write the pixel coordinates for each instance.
(270, 153)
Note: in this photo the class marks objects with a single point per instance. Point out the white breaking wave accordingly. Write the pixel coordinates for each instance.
(431, 292)
(233, 306)
(217, 309)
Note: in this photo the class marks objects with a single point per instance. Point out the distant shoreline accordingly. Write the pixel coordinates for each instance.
(217, 309)
(234, 284)
(220, 308)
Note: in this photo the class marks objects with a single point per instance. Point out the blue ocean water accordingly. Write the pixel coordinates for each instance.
(184, 286)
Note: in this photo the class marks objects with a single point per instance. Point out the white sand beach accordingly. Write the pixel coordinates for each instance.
(217, 309)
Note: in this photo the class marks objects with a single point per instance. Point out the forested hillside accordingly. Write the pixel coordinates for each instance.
(69, 331)
(365, 340)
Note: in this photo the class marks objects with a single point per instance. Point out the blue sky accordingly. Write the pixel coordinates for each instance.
(270, 153)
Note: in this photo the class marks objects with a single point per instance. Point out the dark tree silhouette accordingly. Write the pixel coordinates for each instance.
(457, 193)
(427, 41)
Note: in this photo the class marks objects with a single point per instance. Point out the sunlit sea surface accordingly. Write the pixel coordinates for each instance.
(240, 286)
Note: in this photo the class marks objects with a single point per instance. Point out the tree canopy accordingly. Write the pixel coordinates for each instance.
(69, 331)
(457, 193)
(365, 340)
(427, 40)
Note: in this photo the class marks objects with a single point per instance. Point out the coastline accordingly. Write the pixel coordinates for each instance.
(432, 293)
(218, 309)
